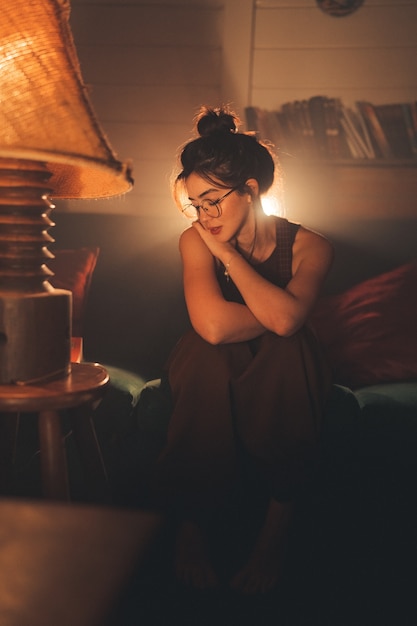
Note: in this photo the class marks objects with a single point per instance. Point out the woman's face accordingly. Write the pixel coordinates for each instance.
(235, 208)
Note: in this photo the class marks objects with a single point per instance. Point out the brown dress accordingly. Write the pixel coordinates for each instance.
(253, 405)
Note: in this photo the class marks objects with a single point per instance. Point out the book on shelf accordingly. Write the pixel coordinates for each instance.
(299, 141)
(356, 133)
(337, 145)
(268, 124)
(393, 122)
(303, 128)
(413, 109)
(410, 120)
(316, 106)
(308, 129)
(283, 128)
(322, 127)
(376, 131)
(274, 130)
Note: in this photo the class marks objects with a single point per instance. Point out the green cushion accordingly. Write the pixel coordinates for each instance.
(402, 393)
(114, 416)
(389, 422)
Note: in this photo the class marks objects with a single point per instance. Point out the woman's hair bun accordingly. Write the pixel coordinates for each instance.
(212, 121)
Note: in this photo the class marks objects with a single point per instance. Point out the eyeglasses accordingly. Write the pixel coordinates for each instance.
(210, 207)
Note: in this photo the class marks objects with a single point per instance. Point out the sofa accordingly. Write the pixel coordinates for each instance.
(369, 436)
(369, 334)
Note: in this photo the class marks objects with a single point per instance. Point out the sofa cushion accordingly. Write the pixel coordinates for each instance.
(389, 423)
(115, 415)
(403, 394)
(369, 332)
(73, 270)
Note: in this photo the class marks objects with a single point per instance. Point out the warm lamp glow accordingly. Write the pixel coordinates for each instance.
(51, 145)
(272, 206)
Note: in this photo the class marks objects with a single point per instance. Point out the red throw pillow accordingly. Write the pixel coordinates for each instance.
(73, 270)
(369, 332)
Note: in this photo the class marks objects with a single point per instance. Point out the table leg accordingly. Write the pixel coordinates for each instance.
(90, 453)
(9, 426)
(53, 456)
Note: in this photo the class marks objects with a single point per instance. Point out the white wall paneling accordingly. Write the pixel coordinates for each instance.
(299, 51)
(151, 64)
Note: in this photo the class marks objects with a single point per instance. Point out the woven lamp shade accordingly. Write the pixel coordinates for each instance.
(45, 111)
(51, 146)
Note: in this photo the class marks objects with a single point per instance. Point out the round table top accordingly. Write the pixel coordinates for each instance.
(85, 383)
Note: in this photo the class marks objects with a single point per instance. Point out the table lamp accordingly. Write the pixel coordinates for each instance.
(51, 146)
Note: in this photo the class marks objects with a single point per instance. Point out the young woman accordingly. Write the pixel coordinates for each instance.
(248, 381)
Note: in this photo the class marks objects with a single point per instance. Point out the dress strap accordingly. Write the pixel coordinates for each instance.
(286, 233)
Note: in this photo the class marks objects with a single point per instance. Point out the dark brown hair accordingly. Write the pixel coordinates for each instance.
(222, 153)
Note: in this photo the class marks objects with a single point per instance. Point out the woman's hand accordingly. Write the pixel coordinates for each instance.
(220, 250)
(212, 317)
(267, 306)
(284, 311)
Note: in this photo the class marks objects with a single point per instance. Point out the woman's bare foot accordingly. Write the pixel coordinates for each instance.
(193, 565)
(263, 571)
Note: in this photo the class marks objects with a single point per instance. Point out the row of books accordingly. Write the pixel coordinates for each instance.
(322, 127)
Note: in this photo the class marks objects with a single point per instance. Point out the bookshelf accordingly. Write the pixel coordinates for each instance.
(325, 128)
(328, 176)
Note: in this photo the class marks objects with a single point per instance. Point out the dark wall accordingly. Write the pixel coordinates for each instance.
(136, 311)
(365, 248)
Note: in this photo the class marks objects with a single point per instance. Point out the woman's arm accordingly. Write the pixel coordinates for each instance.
(212, 317)
(268, 307)
(284, 311)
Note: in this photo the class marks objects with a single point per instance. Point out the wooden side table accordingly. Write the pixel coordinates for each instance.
(80, 391)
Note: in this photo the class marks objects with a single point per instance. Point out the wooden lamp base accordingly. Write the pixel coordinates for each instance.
(35, 318)
(35, 338)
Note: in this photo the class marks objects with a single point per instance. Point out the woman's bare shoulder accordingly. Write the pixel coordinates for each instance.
(306, 237)
(312, 246)
(192, 246)
(189, 235)
(189, 240)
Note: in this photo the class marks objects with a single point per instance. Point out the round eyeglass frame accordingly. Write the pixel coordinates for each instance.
(194, 210)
